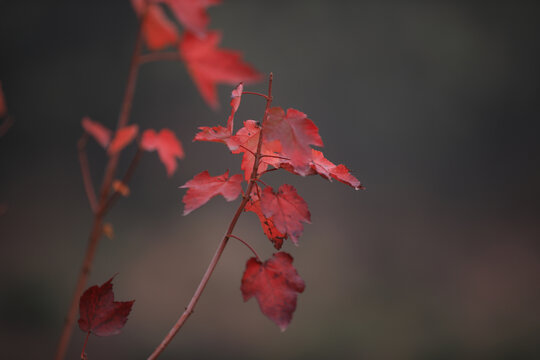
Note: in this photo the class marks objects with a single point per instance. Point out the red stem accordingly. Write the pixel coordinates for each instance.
(83, 357)
(85, 171)
(221, 247)
(97, 226)
(248, 246)
(254, 93)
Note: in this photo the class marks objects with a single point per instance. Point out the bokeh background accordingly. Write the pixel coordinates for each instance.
(433, 105)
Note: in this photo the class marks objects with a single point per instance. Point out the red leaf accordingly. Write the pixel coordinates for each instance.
(275, 284)
(167, 145)
(122, 138)
(245, 141)
(236, 96)
(269, 228)
(159, 32)
(3, 106)
(192, 13)
(327, 169)
(286, 209)
(209, 65)
(214, 134)
(203, 187)
(99, 132)
(99, 313)
(220, 133)
(295, 132)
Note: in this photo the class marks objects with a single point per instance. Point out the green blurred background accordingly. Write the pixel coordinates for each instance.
(433, 105)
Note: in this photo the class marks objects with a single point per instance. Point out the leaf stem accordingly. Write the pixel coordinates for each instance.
(262, 182)
(99, 214)
(255, 93)
(247, 244)
(83, 356)
(85, 171)
(223, 243)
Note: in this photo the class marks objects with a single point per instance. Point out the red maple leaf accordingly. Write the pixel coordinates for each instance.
(209, 65)
(159, 32)
(269, 228)
(246, 140)
(275, 284)
(99, 313)
(326, 169)
(203, 187)
(286, 209)
(296, 133)
(192, 13)
(167, 145)
(220, 133)
(122, 138)
(99, 132)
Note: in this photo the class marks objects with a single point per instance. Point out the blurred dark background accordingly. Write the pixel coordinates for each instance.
(433, 105)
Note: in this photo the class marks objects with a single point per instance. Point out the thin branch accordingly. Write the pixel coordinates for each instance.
(245, 148)
(127, 177)
(255, 93)
(83, 355)
(262, 182)
(97, 226)
(85, 171)
(249, 246)
(275, 156)
(221, 247)
(269, 170)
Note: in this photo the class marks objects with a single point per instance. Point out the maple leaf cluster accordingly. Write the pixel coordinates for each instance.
(286, 143)
(207, 64)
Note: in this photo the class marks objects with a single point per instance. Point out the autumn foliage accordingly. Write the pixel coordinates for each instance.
(282, 140)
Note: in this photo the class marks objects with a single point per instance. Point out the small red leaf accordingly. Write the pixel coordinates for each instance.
(122, 138)
(99, 313)
(236, 96)
(296, 133)
(220, 133)
(209, 65)
(192, 13)
(275, 284)
(214, 134)
(167, 145)
(159, 32)
(203, 187)
(286, 209)
(269, 228)
(328, 170)
(99, 132)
